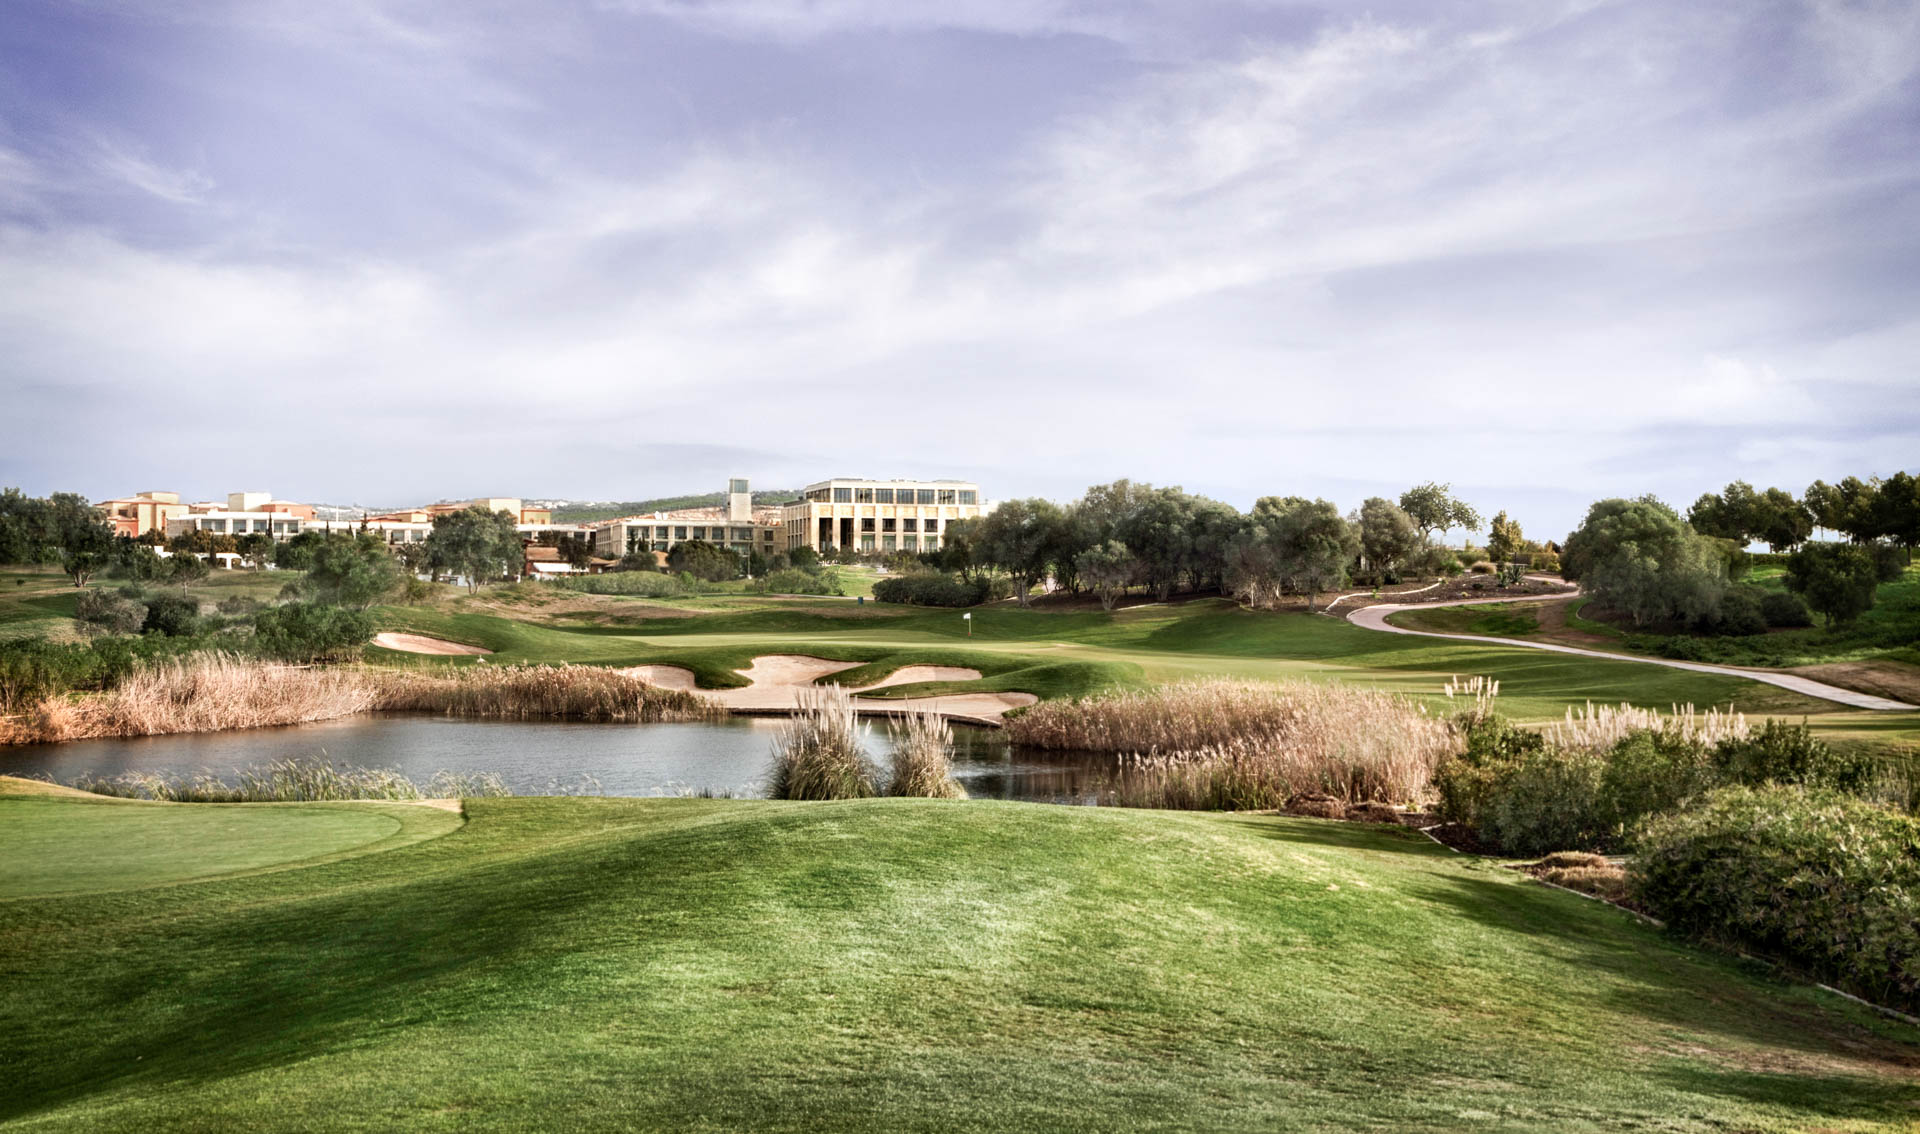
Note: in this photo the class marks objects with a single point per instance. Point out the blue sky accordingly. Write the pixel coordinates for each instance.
(386, 252)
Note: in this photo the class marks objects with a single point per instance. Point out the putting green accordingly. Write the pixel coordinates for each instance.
(56, 845)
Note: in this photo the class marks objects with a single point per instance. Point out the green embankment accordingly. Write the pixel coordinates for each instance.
(898, 965)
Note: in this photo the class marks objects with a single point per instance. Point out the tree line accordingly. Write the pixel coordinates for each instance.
(1127, 534)
(1866, 511)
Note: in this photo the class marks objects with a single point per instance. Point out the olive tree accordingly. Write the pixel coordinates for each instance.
(1640, 558)
(1434, 508)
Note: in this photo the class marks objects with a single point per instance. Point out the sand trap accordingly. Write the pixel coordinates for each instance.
(915, 674)
(776, 681)
(421, 644)
(663, 676)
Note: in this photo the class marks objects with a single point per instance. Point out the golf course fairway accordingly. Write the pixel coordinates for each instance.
(884, 965)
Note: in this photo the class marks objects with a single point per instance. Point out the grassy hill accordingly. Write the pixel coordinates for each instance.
(887, 965)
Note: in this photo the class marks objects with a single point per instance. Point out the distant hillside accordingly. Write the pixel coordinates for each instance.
(581, 512)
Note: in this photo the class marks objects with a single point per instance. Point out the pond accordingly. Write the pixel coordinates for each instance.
(542, 757)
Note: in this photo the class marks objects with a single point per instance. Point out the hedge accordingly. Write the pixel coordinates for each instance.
(1823, 881)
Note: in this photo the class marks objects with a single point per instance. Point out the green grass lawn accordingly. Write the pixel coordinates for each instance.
(888, 965)
(1068, 653)
(38, 602)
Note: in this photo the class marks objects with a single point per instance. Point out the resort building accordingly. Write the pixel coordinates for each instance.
(136, 515)
(737, 526)
(244, 513)
(877, 515)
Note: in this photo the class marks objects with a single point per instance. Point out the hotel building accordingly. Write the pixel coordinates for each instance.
(738, 526)
(878, 516)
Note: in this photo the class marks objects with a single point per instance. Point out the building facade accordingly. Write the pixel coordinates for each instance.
(244, 513)
(143, 512)
(877, 516)
(737, 526)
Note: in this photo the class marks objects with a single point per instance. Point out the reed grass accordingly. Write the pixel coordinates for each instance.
(1249, 746)
(817, 754)
(298, 780)
(566, 692)
(1598, 728)
(217, 692)
(922, 763)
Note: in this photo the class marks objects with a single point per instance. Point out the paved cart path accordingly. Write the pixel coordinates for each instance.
(1375, 618)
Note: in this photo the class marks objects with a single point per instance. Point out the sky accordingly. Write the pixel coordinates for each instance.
(385, 253)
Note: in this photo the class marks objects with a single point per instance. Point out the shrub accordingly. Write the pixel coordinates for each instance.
(646, 584)
(1739, 614)
(929, 588)
(1785, 610)
(817, 754)
(311, 631)
(1553, 800)
(792, 581)
(109, 612)
(174, 616)
(923, 758)
(1545, 561)
(1781, 753)
(1825, 882)
(237, 605)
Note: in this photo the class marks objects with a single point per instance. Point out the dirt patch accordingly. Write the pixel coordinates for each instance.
(663, 676)
(915, 674)
(421, 644)
(1896, 680)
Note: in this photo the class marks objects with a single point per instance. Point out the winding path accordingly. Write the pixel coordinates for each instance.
(1375, 618)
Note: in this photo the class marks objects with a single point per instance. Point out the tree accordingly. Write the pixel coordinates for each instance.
(1159, 532)
(311, 631)
(481, 546)
(1837, 580)
(804, 558)
(352, 570)
(1847, 507)
(703, 560)
(1433, 508)
(1503, 539)
(1388, 536)
(1896, 511)
(1214, 525)
(1779, 521)
(258, 547)
(1640, 558)
(1019, 537)
(186, 570)
(1108, 569)
(1315, 545)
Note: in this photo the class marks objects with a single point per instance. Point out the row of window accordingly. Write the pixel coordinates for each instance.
(898, 495)
(240, 526)
(906, 525)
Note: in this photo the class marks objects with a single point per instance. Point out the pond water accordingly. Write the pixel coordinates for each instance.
(539, 757)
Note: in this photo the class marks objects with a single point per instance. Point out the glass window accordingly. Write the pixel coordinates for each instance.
(926, 495)
(679, 533)
(216, 525)
(866, 543)
(910, 525)
(969, 496)
(886, 543)
(843, 496)
(946, 496)
(910, 542)
(886, 525)
(863, 496)
(883, 496)
(736, 485)
(933, 525)
(930, 543)
(866, 525)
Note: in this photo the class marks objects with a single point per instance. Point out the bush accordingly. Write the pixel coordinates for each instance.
(170, 615)
(795, 582)
(1785, 610)
(1739, 614)
(238, 606)
(1781, 753)
(1825, 882)
(1545, 561)
(109, 612)
(646, 584)
(1553, 800)
(311, 631)
(32, 670)
(928, 588)
(818, 754)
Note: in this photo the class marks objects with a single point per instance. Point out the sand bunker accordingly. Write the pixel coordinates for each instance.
(421, 644)
(915, 674)
(778, 678)
(663, 676)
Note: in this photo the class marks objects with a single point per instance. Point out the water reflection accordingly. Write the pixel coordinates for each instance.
(729, 756)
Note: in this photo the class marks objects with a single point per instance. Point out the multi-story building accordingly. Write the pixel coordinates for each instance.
(244, 513)
(877, 515)
(738, 526)
(136, 515)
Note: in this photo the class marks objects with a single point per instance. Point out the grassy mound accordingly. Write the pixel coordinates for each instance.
(901, 965)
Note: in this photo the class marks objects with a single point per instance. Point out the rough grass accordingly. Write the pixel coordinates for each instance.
(293, 781)
(562, 692)
(890, 965)
(1599, 728)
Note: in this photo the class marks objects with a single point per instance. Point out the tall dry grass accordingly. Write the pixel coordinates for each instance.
(922, 763)
(1244, 745)
(1597, 728)
(567, 692)
(817, 754)
(216, 692)
(202, 693)
(294, 781)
